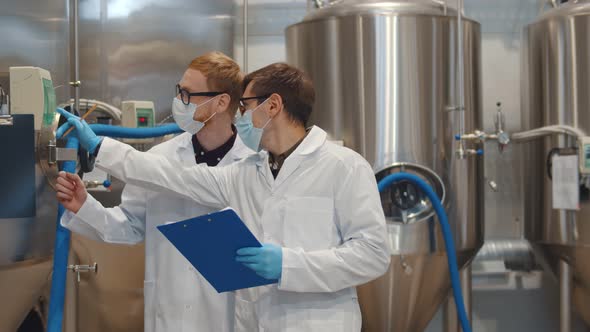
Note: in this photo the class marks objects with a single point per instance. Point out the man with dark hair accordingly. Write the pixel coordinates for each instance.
(293, 85)
(312, 203)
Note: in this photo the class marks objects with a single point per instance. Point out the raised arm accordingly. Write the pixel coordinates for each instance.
(208, 186)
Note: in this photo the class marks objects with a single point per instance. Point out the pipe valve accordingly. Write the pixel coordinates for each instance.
(95, 184)
(83, 268)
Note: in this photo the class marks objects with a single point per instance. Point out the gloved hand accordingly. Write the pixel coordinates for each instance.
(266, 261)
(88, 139)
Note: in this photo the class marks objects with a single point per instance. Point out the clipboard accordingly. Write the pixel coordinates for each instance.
(210, 242)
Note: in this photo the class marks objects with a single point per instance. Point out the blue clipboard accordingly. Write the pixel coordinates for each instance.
(210, 242)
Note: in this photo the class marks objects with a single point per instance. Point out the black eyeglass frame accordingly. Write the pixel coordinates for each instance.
(183, 93)
(243, 107)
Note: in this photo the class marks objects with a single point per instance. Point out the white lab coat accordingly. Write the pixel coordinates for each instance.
(323, 209)
(177, 298)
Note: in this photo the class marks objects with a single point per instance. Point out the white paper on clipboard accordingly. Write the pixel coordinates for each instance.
(566, 183)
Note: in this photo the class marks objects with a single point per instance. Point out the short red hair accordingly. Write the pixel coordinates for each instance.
(223, 74)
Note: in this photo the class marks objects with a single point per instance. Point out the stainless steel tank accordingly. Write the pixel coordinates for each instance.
(385, 74)
(556, 78)
(32, 33)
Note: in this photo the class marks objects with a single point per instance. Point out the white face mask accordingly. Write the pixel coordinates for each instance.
(183, 116)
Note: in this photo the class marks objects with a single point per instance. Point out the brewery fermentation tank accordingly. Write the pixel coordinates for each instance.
(386, 79)
(556, 78)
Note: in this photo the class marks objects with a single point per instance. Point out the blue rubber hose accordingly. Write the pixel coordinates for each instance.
(123, 132)
(62, 238)
(447, 235)
(60, 257)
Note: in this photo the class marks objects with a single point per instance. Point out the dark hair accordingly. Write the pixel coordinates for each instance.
(292, 84)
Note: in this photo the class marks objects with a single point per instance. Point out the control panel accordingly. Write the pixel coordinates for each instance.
(138, 114)
(584, 155)
(31, 92)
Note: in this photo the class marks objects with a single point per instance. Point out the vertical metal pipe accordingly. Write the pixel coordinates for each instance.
(245, 28)
(565, 297)
(461, 68)
(467, 288)
(76, 47)
(451, 321)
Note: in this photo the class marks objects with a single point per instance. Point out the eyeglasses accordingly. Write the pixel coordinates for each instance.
(243, 105)
(185, 96)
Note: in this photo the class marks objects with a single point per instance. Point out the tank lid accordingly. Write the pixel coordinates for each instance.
(356, 7)
(570, 8)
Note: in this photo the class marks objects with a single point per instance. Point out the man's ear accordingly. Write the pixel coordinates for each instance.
(276, 104)
(223, 102)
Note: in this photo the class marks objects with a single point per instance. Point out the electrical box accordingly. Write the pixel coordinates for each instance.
(584, 154)
(31, 92)
(138, 114)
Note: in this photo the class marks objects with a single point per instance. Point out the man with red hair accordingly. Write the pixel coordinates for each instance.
(177, 298)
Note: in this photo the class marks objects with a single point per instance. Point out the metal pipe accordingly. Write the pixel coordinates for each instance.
(450, 321)
(76, 47)
(467, 288)
(245, 28)
(565, 297)
(546, 131)
(461, 68)
(516, 254)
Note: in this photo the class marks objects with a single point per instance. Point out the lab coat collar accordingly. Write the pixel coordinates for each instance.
(313, 141)
(185, 149)
(239, 150)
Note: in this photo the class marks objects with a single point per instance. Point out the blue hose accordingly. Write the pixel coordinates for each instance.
(123, 132)
(60, 258)
(448, 237)
(62, 238)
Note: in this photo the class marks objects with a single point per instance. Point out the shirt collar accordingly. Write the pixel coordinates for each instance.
(214, 156)
(276, 162)
(316, 137)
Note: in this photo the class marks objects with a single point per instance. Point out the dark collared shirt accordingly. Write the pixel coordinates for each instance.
(213, 157)
(277, 162)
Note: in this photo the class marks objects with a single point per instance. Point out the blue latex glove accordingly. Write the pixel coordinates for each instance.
(88, 139)
(266, 261)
